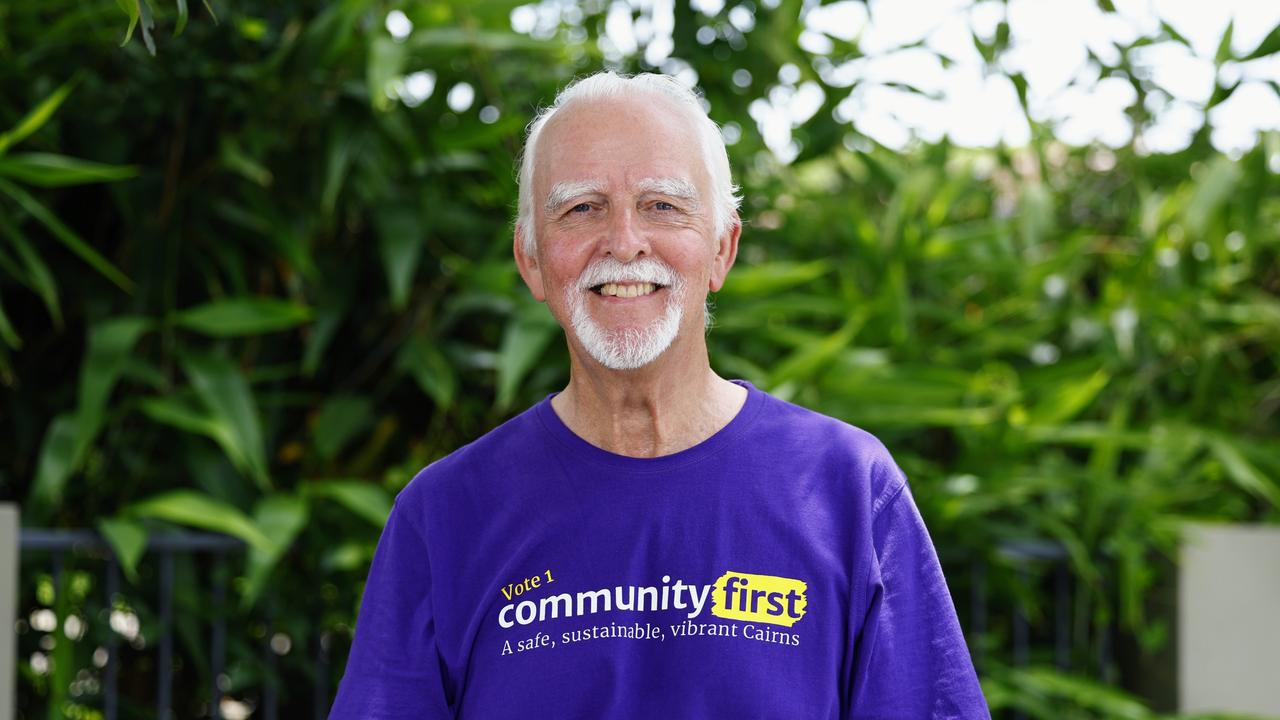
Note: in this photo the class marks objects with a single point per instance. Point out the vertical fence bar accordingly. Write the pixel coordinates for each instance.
(218, 645)
(164, 695)
(112, 683)
(269, 709)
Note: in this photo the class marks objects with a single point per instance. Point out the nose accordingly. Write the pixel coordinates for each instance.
(624, 239)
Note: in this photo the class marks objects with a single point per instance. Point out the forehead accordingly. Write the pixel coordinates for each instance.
(618, 141)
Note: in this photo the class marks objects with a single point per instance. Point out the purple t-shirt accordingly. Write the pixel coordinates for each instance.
(778, 569)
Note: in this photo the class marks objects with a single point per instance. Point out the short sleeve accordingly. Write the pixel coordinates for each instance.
(394, 669)
(910, 657)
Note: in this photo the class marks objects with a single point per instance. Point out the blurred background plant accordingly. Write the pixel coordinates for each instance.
(255, 272)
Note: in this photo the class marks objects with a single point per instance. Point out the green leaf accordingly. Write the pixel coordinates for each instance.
(1269, 45)
(366, 500)
(1221, 93)
(243, 316)
(385, 64)
(128, 539)
(193, 509)
(523, 341)
(49, 170)
(57, 460)
(109, 347)
(38, 116)
(130, 8)
(225, 394)
(1211, 192)
(65, 235)
(807, 360)
(400, 244)
(280, 518)
(184, 414)
(1224, 45)
(38, 275)
(1243, 473)
(182, 18)
(70, 436)
(7, 333)
(773, 277)
(1067, 398)
(1177, 36)
(430, 370)
(340, 420)
(148, 23)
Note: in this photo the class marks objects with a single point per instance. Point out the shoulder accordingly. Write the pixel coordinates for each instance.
(496, 454)
(837, 443)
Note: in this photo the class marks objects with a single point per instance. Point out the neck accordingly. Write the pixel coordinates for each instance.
(667, 406)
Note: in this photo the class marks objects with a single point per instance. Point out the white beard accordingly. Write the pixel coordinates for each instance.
(630, 348)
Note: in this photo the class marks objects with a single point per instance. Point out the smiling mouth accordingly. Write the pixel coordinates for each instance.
(626, 290)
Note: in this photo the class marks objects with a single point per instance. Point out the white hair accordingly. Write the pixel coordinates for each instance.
(725, 199)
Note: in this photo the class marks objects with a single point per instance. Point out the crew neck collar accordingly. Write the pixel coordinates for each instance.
(582, 450)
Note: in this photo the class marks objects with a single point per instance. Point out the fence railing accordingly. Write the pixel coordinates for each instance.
(51, 548)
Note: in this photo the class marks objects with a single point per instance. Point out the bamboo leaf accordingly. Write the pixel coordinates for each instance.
(238, 317)
(805, 361)
(225, 394)
(7, 333)
(148, 23)
(340, 420)
(38, 116)
(400, 245)
(1243, 473)
(182, 18)
(49, 170)
(1067, 398)
(523, 341)
(193, 509)
(66, 236)
(70, 436)
(130, 8)
(773, 277)
(280, 518)
(364, 499)
(38, 275)
(128, 539)
(430, 370)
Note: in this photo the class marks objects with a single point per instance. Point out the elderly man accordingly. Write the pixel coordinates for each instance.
(654, 541)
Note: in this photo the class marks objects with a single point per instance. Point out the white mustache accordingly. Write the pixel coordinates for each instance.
(645, 270)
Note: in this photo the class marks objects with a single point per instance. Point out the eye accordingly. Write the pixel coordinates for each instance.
(580, 208)
(663, 205)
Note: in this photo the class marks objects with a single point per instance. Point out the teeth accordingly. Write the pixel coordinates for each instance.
(627, 291)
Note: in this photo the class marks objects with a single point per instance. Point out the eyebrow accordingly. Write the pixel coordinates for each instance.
(563, 192)
(671, 186)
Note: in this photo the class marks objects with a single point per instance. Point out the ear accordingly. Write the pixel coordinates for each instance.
(528, 266)
(726, 253)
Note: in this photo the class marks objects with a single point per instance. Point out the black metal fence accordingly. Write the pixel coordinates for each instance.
(57, 545)
(1034, 563)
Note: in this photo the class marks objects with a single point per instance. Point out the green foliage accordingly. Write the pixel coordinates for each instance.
(255, 272)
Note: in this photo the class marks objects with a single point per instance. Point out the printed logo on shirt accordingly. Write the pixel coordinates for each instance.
(734, 596)
(753, 601)
(759, 598)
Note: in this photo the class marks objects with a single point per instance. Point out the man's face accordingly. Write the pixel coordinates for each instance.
(623, 215)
